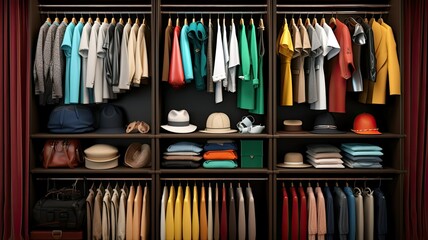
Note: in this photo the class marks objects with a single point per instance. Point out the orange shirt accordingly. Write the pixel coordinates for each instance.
(342, 68)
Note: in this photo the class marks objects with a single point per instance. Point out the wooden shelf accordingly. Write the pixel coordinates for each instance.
(215, 171)
(83, 171)
(91, 135)
(213, 135)
(348, 135)
(339, 171)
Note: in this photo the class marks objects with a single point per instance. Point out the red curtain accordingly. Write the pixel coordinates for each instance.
(14, 119)
(415, 27)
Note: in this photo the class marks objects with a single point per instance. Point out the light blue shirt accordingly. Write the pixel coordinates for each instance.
(75, 64)
(185, 54)
(185, 147)
(66, 47)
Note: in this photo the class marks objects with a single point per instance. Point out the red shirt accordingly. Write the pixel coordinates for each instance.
(342, 68)
(285, 230)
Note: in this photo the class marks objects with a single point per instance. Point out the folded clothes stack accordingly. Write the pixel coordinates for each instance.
(220, 154)
(182, 155)
(362, 155)
(324, 156)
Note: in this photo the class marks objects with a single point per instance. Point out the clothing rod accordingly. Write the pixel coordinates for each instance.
(95, 12)
(332, 12)
(93, 5)
(213, 179)
(97, 179)
(333, 179)
(213, 6)
(373, 6)
(211, 12)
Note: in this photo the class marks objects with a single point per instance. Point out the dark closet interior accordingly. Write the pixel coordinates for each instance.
(152, 102)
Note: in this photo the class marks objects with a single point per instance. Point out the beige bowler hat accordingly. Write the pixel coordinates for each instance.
(293, 160)
(101, 152)
(218, 122)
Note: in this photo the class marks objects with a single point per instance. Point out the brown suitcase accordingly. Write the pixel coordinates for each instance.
(56, 234)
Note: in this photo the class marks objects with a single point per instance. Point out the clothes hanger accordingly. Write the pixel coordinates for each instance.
(105, 18)
(202, 19)
(307, 21)
(65, 19)
(193, 19)
(314, 21)
(120, 19)
(113, 20)
(98, 19)
(137, 21)
(332, 20)
(56, 18)
(299, 21)
(177, 22)
(73, 20)
(292, 22)
(90, 19)
(185, 20)
(169, 21)
(322, 20)
(82, 20)
(380, 20)
(261, 24)
(48, 19)
(129, 19)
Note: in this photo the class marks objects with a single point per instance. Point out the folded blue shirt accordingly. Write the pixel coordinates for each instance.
(362, 158)
(185, 147)
(362, 153)
(220, 146)
(361, 147)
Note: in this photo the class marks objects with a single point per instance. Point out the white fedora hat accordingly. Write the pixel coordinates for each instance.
(179, 122)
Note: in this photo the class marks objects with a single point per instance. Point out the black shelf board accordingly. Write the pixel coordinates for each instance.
(213, 135)
(343, 171)
(347, 135)
(92, 135)
(81, 170)
(215, 171)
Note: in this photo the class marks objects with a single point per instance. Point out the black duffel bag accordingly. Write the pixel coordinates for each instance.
(60, 209)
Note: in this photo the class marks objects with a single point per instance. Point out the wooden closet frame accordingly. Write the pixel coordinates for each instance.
(275, 142)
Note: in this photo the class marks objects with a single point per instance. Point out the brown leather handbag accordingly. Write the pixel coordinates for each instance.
(59, 153)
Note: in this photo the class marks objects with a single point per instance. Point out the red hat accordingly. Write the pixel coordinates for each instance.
(365, 123)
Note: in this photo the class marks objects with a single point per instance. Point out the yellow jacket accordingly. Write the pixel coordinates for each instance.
(387, 66)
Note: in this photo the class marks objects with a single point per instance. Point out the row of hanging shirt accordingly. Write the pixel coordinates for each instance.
(233, 217)
(118, 213)
(363, 56)
(90, 62)
(189, 56)
(319, 213)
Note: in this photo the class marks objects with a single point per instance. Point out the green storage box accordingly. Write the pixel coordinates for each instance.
(251, 153)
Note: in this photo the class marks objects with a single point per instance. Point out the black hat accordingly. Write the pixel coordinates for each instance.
(324, 123)
(111, 120)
